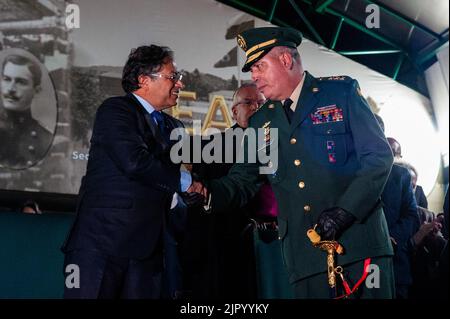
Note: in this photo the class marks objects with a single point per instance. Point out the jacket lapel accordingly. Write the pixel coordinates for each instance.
(276, 116)
(150, 123)
(307, 101)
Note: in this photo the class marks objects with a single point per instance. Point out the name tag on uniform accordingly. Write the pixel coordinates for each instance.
(327, 114)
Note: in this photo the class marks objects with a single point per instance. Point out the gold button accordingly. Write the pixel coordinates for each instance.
(307, 208)
(297, 162)
(301, 184)
(293, 140)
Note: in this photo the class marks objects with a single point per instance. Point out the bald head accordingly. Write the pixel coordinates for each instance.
(246, 100)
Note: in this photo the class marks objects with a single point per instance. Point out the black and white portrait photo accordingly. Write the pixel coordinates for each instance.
(28, 109)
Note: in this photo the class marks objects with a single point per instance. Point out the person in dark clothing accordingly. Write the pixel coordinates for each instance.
(400, 209)
(418, 190)
(229, 270)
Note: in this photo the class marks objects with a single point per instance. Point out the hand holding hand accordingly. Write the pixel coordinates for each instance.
(192, 199)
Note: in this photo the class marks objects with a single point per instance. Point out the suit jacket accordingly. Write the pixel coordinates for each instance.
(333, 153)
(421, 199)
(400, 209)
(129, 182)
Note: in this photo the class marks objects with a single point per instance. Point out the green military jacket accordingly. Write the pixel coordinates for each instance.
(332, 154)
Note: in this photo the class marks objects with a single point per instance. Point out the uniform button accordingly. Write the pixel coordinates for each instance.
(297, 162)
(307, 208)
(279, 237)
(31, 148)
(293, 140)
(301, 185)
(33, 133)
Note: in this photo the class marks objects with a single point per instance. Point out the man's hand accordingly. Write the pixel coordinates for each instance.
(425, 230)
(192, 199)
(198, 187)
(333, 222)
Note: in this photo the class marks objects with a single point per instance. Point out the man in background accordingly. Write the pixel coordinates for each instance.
(400, 209)
(223, 265)
(24, 140)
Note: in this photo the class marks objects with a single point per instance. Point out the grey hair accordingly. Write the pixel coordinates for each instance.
(293, 52)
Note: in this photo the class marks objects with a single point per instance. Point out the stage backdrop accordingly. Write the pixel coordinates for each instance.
(85, 66)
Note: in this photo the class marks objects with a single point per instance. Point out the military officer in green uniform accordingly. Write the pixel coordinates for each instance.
(333, 162)
(24, 140)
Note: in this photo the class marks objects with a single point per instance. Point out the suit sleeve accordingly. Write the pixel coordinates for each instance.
(373, 154)
(408, 223)
(122, 142)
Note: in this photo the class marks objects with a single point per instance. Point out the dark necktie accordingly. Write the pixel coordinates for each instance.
(159, 118)
(287, 109)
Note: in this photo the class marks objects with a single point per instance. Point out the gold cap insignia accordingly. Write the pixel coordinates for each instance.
(241, 42)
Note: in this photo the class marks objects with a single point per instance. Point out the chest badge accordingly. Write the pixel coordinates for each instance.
(327, 114)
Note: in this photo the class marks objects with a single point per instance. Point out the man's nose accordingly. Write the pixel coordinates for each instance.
(255, 76)
(10, 86)
(254, 106)
(179, 84)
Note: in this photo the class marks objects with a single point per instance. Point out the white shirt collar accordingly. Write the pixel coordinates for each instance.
(296, 93)
(147, 106)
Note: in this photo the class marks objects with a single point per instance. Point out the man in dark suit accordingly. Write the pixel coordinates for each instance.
(117, 238)
(333, 162)
(400, 209)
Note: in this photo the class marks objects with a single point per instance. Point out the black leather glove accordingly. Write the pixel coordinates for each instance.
(193, 199)
(333, 222)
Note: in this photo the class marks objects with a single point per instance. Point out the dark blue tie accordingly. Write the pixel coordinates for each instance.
(287, 109)
(159, 118)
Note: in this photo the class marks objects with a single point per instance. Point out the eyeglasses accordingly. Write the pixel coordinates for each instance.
(174, 77)
(251, 102)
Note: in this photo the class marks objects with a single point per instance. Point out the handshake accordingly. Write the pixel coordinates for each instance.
(197, 194)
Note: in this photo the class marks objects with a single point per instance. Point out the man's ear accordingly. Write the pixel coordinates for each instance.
(286, 60)
(143, 80)
(234, 111)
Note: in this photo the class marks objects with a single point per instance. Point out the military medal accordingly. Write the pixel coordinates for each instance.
(327, 114)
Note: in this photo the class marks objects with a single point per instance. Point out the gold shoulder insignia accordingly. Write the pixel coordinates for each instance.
(337, 78)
